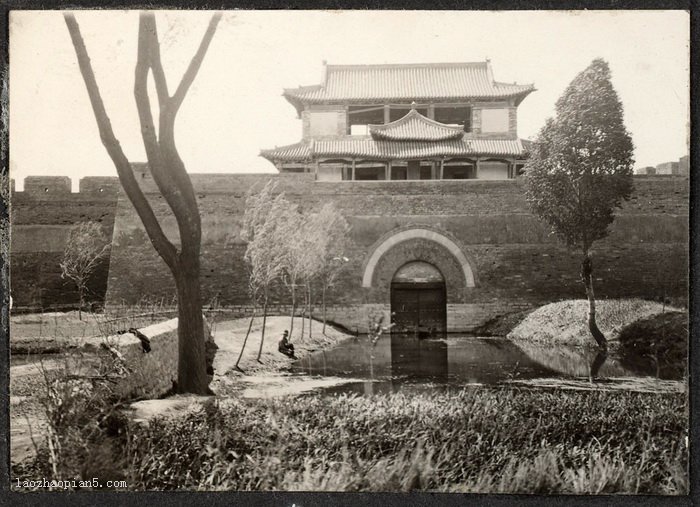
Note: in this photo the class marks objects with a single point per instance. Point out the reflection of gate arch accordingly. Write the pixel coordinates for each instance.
(417, 233)
(418, 299)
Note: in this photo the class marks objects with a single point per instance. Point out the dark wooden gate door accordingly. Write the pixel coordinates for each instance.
(419, 307)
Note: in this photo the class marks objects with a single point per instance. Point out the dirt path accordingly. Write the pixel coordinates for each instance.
(229, 336)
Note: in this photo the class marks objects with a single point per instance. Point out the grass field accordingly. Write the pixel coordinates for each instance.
(499, 440)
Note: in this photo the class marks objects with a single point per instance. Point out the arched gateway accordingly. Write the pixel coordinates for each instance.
(417, 234)
(417, 271)
(418, 299)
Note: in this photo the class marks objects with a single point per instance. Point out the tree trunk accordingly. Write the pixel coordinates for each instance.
(245, 340)
(80, 302)
(323, 305)
(262, 333)
(587, 279)
(294, 308)
(308, 290)
(192, 367)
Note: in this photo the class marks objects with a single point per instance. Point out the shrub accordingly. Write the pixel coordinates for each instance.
(84, 427)
(657, 345)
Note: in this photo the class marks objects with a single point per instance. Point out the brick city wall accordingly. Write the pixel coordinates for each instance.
(41, 217)
(516, 262)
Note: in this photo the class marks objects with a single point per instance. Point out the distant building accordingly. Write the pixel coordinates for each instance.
(684, 166)
(648, 170)
(667, 168)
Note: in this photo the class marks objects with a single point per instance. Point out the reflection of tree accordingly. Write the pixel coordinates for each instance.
(574, 361)
(657, 345)
(598, 361)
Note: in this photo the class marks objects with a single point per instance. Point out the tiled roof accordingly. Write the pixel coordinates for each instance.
(298, 152)
(368, 148)
(415, 127)
(434, 81)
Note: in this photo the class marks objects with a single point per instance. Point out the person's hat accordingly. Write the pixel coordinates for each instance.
(285, 332)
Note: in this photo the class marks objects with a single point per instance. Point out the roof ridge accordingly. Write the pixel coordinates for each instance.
(364, 66)
(524, 85)
(303, 88)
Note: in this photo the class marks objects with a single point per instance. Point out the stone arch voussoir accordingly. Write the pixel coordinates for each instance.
(396, 237)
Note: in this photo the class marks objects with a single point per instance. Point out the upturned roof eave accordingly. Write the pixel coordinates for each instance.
(300, 99)
(277, 154)
(442, 132)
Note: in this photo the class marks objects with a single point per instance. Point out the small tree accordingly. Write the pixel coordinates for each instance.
(293, 259)
(86, 247)
(313, 237)
(263, 220)
(333, 236)
(581, 170)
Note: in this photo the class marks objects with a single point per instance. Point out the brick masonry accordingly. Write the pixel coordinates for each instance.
(516, 262)
(41, 217)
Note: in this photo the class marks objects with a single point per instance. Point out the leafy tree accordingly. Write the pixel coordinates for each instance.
(87, 245)
(313, 239)
(171, 178)
(580, 170)
(294, 259)
(332, 246)
(263, 220)
(317, 250)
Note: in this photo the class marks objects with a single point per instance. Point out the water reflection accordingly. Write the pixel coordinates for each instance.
(398, 362)
(598, 361)
(401, 362)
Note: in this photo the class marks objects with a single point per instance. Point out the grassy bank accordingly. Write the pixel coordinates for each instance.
(566, 322)
(502, 440)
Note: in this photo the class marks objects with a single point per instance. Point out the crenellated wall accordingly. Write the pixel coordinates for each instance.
(516, 262)
(41, 217)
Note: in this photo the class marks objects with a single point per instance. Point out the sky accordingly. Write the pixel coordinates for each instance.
(235, 107)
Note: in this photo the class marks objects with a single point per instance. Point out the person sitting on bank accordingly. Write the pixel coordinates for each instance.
(284, 346)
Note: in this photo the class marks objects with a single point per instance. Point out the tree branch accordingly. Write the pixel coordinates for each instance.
(151, 32)
(156, 159)
(166, 133)
(126, 176)
(196, 62)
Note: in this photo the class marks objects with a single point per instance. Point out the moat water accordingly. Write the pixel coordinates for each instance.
(407, 363)
(401, 363)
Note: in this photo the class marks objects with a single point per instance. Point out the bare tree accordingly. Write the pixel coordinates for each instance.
(171, 178)
(87, 245)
